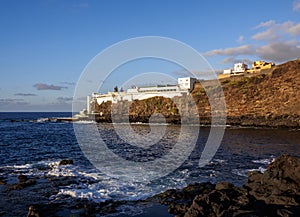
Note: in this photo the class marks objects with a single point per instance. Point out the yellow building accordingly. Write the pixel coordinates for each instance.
(242, 69)
(257, 66)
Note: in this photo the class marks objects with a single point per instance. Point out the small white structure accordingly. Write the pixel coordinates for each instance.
(238, 68)
(227, 71)
(184, 86)
(186, 83)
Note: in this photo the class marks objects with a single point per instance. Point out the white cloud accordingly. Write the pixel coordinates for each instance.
(276, 31)
(280, 44)
(234, 51)
(25, 94)
(279, 51)
(240, 39)
(296, 5)
(295, 30)
(233, 60)
(265, 24)
(13, 103)
(64, 99)
(68, 83)
(42, 86)
(274, 51)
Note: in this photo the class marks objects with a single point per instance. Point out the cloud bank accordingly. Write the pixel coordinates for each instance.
(42, 86)
(25, 94)
(9, 102)
(296, 5)
(234, 51)
(278, 43)
(64, 99)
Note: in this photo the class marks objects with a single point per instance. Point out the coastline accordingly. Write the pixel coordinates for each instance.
(275, 192)
(278, 122)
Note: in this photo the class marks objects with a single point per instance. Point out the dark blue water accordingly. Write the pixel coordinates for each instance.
(28, 141)
(25, 140)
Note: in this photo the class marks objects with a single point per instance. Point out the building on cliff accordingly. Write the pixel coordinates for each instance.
(242, 69)
(184, 86)
(238, 68)
(257, 66)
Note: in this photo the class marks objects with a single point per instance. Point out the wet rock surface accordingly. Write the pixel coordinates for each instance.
(276, 192)
(66, 162)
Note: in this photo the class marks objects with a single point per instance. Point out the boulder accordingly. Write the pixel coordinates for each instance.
(22, 179)
(279, 184)
(33, 212)
(224, 200)
(66, 162)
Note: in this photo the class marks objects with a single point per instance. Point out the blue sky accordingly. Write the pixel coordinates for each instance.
(45, 44)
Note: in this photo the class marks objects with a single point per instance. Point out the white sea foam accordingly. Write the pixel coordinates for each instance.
(262, 169)
(265, 161)
(41, 120)
(91, 184)
(238, 172)
(244, 172)
(84, 122)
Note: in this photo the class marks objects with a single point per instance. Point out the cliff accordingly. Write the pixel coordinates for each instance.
(266, 99)
(270, 99)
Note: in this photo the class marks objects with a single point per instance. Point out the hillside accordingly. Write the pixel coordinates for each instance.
(268, 99)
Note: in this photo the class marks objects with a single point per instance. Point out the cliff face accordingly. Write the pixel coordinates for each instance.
(265, 99)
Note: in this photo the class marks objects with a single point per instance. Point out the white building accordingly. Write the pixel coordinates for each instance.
(184, 85)
(238, 68)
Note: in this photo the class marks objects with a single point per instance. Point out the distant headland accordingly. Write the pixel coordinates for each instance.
(264, 96)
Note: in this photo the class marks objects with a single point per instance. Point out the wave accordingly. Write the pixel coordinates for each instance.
(265, 161)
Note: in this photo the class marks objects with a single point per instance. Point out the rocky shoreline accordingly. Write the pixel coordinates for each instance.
(276, 192)
(278, 122)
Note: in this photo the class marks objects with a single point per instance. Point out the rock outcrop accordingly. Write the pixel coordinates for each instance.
(66, 162)
(276, 192)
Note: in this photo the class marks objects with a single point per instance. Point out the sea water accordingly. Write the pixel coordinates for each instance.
(33, 144)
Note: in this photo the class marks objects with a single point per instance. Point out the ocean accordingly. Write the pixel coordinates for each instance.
(33, 145)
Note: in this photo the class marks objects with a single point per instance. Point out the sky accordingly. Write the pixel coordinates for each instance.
(46, 44)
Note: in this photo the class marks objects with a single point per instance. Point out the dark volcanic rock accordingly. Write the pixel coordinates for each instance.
(179, 200)
(279, 184)
(66, 162)
(33, 212)
(276, 192)
(224, 201)
(23, 181)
